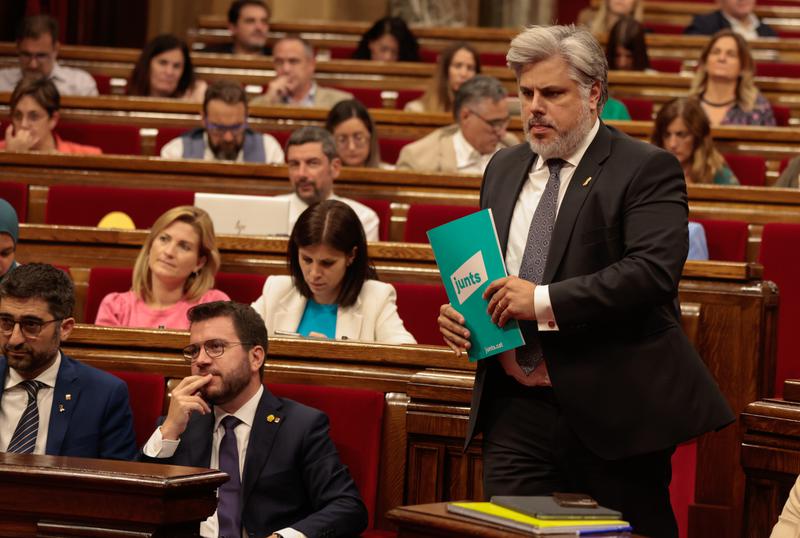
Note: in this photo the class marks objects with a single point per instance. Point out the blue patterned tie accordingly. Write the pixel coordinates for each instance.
(535, 258)
(229, 512)
(24, 439)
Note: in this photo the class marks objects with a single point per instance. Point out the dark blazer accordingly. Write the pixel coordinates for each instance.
(292, 475)
(624, 374)
(711, 23)
(96, 421)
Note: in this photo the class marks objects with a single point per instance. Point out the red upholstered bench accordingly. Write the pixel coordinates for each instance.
(356, 434)
(727, 239)
(404, 96)
(639, 109)
(146, 392)
(781, 258)
(418, 307)
(240, 287)
(749, 169)
(114, 139)
(16, 194)
(82, 205)
(423, 217)
(383, 208)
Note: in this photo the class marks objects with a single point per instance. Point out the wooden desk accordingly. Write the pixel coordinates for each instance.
(53, 496)
(434, 521)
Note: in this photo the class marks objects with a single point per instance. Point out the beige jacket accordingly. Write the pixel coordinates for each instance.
(788, 525)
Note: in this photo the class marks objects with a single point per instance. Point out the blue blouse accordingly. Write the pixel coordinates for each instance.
(319, 318)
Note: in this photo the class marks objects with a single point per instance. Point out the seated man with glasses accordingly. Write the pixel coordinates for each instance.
(225, 135)
(481, 115)
(37, 47)
(50, 403)
(286, 476)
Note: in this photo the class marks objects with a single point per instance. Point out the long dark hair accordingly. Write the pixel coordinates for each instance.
(408, 48)
(335, 224)
(439, 97)
(139, 83)
(353, 108)
(628, 34)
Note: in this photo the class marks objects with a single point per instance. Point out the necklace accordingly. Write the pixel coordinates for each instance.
(709, 103)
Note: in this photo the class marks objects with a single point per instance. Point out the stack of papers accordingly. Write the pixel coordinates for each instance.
(536, 526)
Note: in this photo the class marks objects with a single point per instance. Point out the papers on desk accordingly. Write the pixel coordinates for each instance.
(468, 254)
(498, 515)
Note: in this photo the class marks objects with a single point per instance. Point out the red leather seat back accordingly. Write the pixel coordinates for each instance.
(240, 287)
(418, 307)
(391, 147)
(146, 393)
(102, 281)
(84, 205)
(165, 134)
(639, 109)
(383, 208)
(749, 169)
(780, 257)
(16, 194)
(727, 239)
(115, 139)
(356, 420)
(404, 96)
(423, 217)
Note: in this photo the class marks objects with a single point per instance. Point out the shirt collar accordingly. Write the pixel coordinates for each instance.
(308, 99)
(465, 153)
(57, 73)
(245, 413)
(48, 377)
(576, 155)
(737, 25)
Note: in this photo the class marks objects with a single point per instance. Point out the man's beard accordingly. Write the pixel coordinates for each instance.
(564, 143)
(233, 384)
(226, 151)
(308, 199)
(31, 361)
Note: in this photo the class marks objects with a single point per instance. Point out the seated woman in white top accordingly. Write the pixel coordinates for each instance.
(332, 289)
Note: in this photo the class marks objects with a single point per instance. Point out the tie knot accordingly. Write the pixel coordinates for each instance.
(229, 423)
(554, 165)
(32, 387)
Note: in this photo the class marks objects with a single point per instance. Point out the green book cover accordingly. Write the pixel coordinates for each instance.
(468, 254)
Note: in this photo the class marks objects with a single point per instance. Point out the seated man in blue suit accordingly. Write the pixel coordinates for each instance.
(50, 403)
(286, 476)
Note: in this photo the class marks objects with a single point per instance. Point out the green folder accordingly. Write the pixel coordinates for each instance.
(468, 254)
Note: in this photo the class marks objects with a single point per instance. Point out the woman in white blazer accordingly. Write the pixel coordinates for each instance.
(332, 290)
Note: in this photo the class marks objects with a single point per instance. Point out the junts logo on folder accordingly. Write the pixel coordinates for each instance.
(469, 277)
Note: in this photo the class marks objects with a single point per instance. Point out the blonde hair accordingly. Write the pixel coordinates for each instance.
(601, 23)
(197, 283)
(746, 91)
(706, 160)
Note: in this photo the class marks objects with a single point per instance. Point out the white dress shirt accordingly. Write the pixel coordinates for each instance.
(526, 204)
(468, 159)
(369, 219)
(15, 400)
(158, 447)
(748, 31)
(68, 80)
(273, 153)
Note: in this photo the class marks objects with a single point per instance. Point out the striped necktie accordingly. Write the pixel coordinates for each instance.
(24, 439)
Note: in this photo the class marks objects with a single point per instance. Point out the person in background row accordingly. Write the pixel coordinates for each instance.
(601, 21)
(37, 47)
(34, 105)
(248, 23)
(788, 525)
(294, 84)
(456, 65)
(314, 164)
(174, 271)
(225, 134)
(481, 114)
(788, 178)
(736, 15)
(332, 289)
(36, 379)
(354, 133)
(626, 49)
(724, 83)
(164, 69)
(286, 478)
(388, 40)
(9, 235)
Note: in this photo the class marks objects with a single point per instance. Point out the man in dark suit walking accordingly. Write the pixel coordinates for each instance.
(735, 14)
(594, 229)
(50, 403)
(286, 477)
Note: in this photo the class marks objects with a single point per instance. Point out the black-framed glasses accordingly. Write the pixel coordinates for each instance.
(360, 140)
(497, 124)
(31, 327)
(40, 57)
(214, 348)
(218, 128)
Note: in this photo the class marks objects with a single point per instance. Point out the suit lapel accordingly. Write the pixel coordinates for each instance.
(577, 191)
(262, 437)
(197, 441)
(67, 382)
(289, 311)
(349, 321)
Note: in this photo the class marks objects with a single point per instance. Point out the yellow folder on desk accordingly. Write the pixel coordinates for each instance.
(509, 518)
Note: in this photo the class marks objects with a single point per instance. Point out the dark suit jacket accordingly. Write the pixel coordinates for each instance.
(96, 421)
(711, 23)
(625, 375)
(292, 475)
